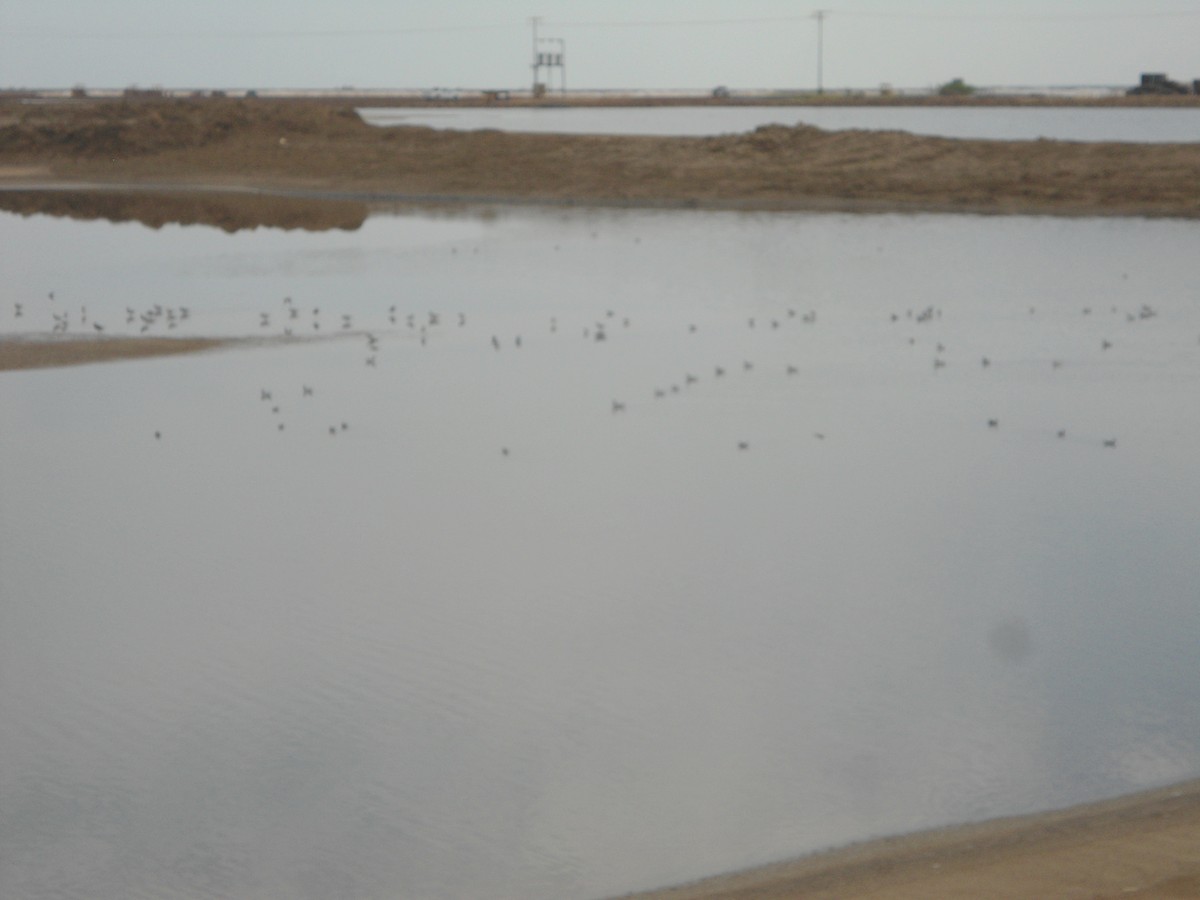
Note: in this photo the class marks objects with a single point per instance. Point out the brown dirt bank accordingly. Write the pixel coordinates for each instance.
(324, 146)
(229, 212)
(46, 352)
(1143, 846)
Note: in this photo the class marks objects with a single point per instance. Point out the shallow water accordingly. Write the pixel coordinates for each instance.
(992, 123)
(494, 638)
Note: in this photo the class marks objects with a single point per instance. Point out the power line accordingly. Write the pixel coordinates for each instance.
(599, 24)
(310, 33)
(771, 20)
(610, 24)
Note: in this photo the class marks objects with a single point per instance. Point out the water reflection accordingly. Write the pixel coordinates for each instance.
(391, 659)
(229, 212)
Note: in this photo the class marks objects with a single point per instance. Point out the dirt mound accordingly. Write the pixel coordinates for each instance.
(144, 127)
(326, 147)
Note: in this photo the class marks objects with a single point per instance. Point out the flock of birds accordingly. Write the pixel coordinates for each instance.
(289, 321)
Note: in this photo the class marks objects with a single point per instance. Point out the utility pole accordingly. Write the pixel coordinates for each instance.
(820, 15)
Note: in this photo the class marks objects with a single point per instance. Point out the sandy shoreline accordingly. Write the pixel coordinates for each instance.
(1145, 845)
(22, 352)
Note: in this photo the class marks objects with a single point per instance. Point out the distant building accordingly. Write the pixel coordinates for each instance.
(1157, 83)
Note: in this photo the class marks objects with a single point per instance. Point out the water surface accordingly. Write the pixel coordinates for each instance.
(575, 616)
(990, 123)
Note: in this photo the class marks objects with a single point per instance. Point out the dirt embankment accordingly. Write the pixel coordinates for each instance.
(327, 147)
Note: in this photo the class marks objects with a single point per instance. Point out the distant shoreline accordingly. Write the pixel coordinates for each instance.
(523, 97)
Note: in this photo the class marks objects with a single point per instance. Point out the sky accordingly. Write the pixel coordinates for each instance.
(632, 44)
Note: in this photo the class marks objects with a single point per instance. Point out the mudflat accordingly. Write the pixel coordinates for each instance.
(325, 148)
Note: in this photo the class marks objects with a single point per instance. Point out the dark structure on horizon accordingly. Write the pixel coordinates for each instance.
(1156, 83)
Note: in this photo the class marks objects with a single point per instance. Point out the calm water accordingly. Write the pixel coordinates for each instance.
(1017, 123)
(493, 638)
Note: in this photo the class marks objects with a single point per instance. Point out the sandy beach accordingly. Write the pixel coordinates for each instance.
(1145, 846)
(246, 164)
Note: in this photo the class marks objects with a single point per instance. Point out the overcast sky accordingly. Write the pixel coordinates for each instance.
(611, 44)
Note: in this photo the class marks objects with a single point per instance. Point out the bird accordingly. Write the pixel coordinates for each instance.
(264, 394)
(1105, 344)
(743, 445)
(308, 392)
(618, 406)
(495, 342)
(1061, 433)
(1110, 442)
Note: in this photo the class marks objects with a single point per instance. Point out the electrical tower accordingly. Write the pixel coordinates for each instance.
(548, 54)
